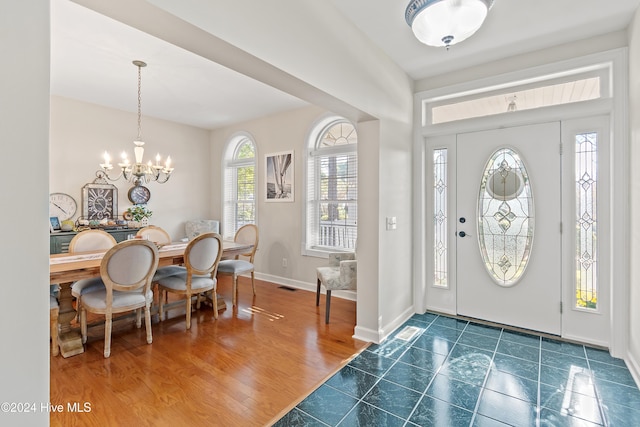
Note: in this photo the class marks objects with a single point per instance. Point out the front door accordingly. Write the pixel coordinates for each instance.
(508, 217)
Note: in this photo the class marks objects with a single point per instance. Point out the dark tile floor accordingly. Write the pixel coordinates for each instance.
(459, 373)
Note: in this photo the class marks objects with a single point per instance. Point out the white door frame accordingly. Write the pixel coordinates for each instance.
(613, 103)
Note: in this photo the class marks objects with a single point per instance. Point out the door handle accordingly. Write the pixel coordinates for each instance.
(462, 234)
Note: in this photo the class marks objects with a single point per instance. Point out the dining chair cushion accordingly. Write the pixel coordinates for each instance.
(178, 282)
(170, 270)
(329, 276)
(234, 266)
(84, 286)
(98, 299)
(54, 290)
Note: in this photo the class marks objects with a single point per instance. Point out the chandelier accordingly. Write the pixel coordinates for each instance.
(446, 22)
(138, 172)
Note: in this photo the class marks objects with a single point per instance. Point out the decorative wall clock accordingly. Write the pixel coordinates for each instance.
(99, 200)
(139, 194)
(62, 205)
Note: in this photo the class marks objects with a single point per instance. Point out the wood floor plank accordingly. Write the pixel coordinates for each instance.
(247, 368)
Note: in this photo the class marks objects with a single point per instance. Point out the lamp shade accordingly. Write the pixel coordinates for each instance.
(446, 22)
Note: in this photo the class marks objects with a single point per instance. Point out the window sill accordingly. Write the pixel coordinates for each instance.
(322, 252)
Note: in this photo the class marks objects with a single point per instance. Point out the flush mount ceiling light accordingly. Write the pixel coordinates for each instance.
(446, 22)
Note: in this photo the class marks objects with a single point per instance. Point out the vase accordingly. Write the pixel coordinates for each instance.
(144, 222)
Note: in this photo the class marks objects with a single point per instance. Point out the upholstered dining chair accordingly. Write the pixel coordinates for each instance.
(341, 274)
(155, 234)
(126, 271)
(235, 267)
(159, 236)
(201, 258)
(91, 240)
(87, 241)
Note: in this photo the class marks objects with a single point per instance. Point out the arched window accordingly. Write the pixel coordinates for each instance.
(331, 187)
(239, 184)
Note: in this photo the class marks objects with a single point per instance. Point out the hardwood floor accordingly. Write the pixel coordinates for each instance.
(246, 369)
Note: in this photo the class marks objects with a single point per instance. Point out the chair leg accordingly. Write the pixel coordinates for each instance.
(253, 282)
(78, 308)
(214, 298)
(318, 294)
(53, 320)
(138, 318)
(326, 317)
(161, 305)
(188, 312)
(147, 321)
(83, 325)
(235, 290)
(107, 334)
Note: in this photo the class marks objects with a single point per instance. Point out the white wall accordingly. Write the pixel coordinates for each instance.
(280, 224)
(24, 108)
(81, 132)
(311, 61)
(527, 60)
(634, 125)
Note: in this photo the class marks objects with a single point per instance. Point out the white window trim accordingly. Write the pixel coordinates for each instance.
(317, 128)
(228, 160)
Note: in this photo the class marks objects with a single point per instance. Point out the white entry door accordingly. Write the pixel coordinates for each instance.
(508, 217)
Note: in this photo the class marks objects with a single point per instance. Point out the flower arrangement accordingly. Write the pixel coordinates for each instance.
(139, 212)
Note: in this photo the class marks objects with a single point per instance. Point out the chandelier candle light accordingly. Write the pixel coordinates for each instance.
(138, 172)
(446, 22)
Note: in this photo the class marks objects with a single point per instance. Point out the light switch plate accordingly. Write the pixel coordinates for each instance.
(391, 223)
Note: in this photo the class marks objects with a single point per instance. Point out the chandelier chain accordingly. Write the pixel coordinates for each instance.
(137, 172)
(139, 103)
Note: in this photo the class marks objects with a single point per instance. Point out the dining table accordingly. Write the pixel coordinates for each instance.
(65, 269)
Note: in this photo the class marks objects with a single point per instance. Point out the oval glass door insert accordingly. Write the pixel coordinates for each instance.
(505, 217)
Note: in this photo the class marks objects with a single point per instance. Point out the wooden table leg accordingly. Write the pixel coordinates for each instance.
(221, 304)
(70, 340)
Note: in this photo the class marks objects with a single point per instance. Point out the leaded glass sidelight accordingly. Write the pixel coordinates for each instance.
(505, 217)
(440, 252)
(586, 166)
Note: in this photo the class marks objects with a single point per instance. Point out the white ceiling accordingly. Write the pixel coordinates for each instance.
(91, 55)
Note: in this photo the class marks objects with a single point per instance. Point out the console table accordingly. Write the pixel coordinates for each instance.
(59, 242)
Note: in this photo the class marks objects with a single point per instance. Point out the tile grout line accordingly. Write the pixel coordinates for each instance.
(435, 374)
(380, 378)
(605, 421)
(539, 396)
(486, 378)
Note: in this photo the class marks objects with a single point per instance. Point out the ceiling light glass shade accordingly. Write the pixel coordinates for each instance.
(446, 22)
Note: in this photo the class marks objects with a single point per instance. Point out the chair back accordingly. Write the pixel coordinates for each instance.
(129, 266)
(203, 253)
(248, 234)
(91, 240)
(154, 234)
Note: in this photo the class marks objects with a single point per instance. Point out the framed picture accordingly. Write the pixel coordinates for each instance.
(99, 201)
(54, 224)
(279, 177)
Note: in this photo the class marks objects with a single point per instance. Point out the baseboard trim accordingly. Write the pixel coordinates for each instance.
(634, 368)
(298, 284)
